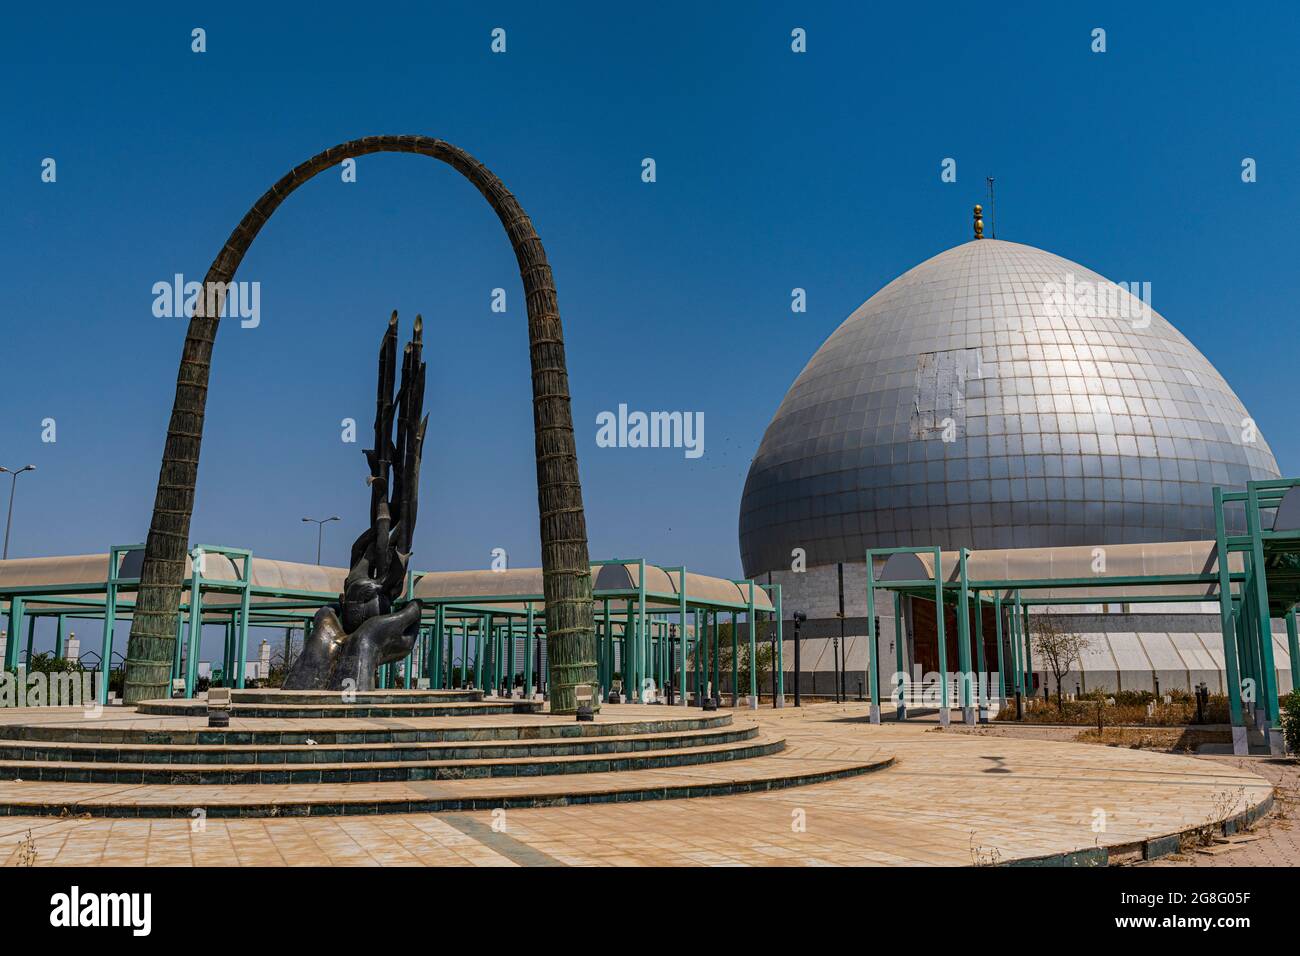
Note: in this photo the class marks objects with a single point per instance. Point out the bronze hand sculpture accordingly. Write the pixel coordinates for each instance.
(353, 637)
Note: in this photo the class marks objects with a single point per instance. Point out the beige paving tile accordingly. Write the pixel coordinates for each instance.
(947, 800)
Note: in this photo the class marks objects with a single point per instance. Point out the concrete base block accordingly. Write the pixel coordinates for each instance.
(875, 713)
(945, 717)
(1276, 743)
(753, 702)
(1240, 746)
(968, 716)
(900, 712)
(984, 714)
(780, 700)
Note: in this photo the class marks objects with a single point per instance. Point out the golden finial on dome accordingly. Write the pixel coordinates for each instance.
(979, 221)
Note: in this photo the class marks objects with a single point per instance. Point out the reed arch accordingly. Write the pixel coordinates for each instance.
(565, 566)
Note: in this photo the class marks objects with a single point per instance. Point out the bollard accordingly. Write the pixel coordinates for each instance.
(219, 706)
(584, 694)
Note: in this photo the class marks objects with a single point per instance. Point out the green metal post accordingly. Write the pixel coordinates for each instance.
(16, 628)
(681, 637)
(453, 630)
(607, 652)
(1002, 667)
(735, 659)
(478, 654)
(196, 624)
(176, 647)
(898, 634)
(695, 671)
(1266, 659)
(510, 682)
(716, 682)
(528, 651)
(1294, 645)
(706, 672)
(981, 698)
(228, 653)
(963, 635)
(110, 622)
(247, 580)
(1247, 631)
(1013, 620)
(871, 639)
(753, 651)
(939, 627)
(1242, 637)
(1028, 635)
(433, 663)
(643, 653)
(1232, 674)
(665, 652)
(631, 656)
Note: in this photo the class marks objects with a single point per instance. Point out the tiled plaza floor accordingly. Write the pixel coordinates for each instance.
(950, 799)
(1276, 841)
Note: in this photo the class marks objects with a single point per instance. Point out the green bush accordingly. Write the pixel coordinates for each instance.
(1130, 708)
(46, 663)
(1291, 721)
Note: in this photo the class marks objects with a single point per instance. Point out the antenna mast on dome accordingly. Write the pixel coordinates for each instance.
(993, 211)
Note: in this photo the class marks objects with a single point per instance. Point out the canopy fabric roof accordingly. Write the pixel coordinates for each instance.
(527, 582)
(68, 569)
(1011, 565)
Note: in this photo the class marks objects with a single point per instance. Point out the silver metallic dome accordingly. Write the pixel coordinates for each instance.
(996, 396)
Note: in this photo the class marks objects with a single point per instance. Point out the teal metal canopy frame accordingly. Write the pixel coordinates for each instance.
(498, 636)
(1268, 586)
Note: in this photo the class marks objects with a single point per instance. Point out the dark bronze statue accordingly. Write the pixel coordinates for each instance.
(352, 638)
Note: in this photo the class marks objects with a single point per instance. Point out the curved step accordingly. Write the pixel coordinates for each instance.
(294, 755)
(119, 731)
(383, 771)
(393, 696)
(321, 710)
(789, 768)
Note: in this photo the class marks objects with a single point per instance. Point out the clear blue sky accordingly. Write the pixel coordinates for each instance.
(775, 170)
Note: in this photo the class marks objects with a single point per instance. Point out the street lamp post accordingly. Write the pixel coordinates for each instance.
(799, 618)
(13, 486)
(320, 530)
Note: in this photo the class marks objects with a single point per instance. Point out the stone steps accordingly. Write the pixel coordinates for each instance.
(163, 760)
(343, 731)
(394, 696)
(781, 769)
(375, 771)
(322, 710)
(294, 755)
